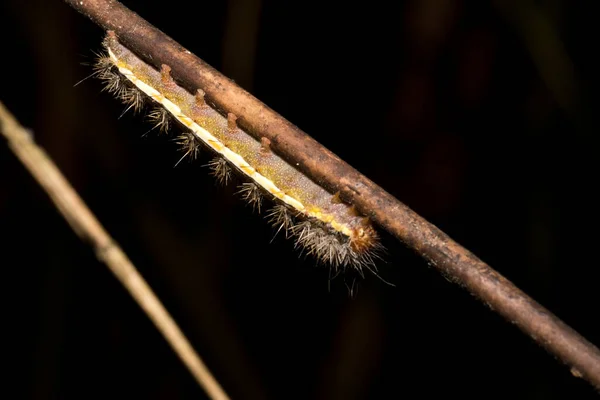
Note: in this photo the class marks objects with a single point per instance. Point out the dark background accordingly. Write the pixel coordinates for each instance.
(479, 115)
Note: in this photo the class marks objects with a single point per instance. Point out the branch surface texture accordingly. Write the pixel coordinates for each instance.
(89, 229)
(439, 250)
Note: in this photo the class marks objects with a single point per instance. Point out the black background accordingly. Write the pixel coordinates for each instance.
(478, 115)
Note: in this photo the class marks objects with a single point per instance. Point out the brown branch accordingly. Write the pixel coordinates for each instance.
(450, 258)
(89, 229)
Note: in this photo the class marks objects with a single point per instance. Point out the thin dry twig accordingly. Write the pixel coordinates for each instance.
(439, 250)
(89, 229)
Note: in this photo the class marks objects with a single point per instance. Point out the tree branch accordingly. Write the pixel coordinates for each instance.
(450, 258)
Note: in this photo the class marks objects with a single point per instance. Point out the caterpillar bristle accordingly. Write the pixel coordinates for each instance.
(133, 98)
(251, 193)
(332, 248)
(280, 218)
(189, 144)
(220, 169)
(118, 86)
(327, 248)
(114, 83)
(103, 67)
(160, 118)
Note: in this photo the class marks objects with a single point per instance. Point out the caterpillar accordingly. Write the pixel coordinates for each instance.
(319, 222)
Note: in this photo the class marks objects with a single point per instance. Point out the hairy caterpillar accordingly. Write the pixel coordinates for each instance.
(320, 223)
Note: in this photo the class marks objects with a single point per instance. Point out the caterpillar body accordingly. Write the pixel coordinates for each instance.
(320, 223)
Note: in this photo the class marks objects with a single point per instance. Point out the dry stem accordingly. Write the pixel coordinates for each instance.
(89, 229)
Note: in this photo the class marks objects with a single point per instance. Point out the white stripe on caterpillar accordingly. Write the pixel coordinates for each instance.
(206, 136)
(332, 231)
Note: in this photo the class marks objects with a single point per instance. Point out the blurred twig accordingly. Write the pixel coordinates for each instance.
(548, 52)
(89, 229)
(450, 258)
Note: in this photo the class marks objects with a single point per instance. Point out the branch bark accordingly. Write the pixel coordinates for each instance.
(450, 258)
